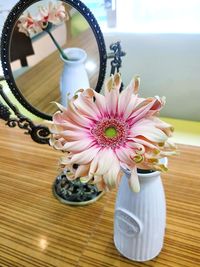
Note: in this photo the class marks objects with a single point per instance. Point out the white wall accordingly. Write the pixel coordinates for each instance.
(5, 6)
(168, 64)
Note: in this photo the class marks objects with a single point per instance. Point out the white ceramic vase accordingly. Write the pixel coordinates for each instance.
(74, 75)
(140, 218)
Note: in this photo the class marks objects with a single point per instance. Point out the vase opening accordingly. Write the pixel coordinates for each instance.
(69, 84)
(75, 55)
(147, 173)
(144, 171)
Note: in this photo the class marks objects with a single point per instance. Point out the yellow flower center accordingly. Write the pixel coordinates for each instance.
(110, 132)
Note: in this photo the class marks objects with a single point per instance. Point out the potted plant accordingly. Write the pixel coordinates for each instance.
(109, 137)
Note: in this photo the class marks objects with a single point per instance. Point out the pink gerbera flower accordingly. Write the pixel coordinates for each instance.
(103, 135)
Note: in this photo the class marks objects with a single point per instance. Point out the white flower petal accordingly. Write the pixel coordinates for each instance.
(77, 146)
(149, 132)
(82, 171)
(134, 181)
(124, 155)
(111, 177)
(85, 157)
(106, 157)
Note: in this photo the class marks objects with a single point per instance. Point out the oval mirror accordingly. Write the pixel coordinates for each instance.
(32, 59)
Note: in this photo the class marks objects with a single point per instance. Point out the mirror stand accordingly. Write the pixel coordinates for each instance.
(116, 55)
(39, 133)
(66, 191)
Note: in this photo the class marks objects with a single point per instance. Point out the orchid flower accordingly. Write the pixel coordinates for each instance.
(53, 15)
(28, 25)
(106, 134)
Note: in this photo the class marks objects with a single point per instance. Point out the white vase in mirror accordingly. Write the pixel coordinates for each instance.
(74, 75)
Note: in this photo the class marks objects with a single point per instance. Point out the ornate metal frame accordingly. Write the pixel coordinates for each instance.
(7, 34)
(67, 192)
(39, 133)
(116, 55)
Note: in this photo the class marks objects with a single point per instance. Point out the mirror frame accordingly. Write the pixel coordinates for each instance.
(10, 22)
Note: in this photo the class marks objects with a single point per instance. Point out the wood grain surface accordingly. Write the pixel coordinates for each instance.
(36, 230)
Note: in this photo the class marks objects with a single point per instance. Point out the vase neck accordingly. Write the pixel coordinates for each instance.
(75, 56)
(145, 177)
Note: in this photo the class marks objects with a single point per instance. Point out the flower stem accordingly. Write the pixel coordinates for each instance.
(56, 44)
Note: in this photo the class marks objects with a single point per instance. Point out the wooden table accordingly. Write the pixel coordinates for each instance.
(36, 230)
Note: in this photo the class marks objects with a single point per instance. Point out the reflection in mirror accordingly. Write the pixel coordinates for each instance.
(35, 59)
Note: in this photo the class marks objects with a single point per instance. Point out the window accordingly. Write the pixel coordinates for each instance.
(148, 16)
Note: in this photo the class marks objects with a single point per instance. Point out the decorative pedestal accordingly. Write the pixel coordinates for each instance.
(75, 192)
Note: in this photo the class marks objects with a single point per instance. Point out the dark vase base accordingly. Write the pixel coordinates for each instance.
(144, 171)
(75, 192)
